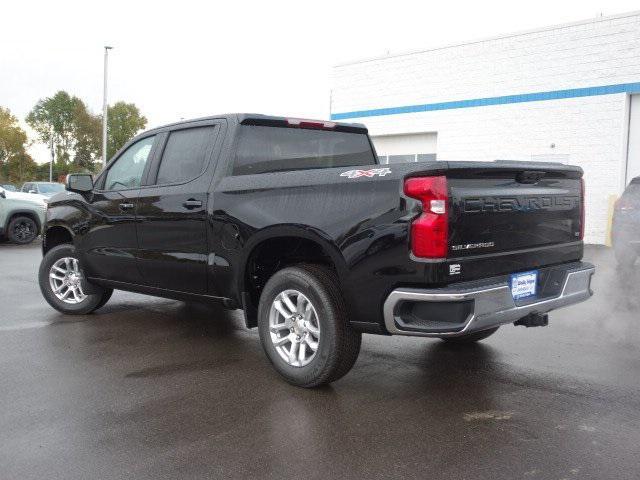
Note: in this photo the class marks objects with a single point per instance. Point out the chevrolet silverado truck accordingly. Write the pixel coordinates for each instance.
(296, 223)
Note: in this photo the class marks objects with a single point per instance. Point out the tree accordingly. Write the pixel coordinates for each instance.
(124, 121)
(16, 165)
(53, 120)
(76, 134)
(12, 137)
(21, 169)
(87, 131)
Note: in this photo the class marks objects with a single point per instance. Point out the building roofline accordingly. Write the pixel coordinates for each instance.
(493, 38)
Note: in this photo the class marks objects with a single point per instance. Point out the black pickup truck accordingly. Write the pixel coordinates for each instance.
(296, 223)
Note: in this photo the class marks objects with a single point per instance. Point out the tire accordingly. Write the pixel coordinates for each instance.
(337, 344)
(22, 230)
(471, 337)
(106, 296)
(75, 303)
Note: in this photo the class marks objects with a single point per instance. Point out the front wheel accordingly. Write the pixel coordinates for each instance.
(60, 278)
(22, 230)
(303, 325)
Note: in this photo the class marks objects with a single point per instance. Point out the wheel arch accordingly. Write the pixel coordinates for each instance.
(24, 213)
(275, 248)
(55, 235)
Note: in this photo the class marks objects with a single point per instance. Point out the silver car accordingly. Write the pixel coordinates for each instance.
(21, 216)
(48, 189)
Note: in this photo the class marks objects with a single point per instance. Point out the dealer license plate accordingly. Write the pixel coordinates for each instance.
(524, 284)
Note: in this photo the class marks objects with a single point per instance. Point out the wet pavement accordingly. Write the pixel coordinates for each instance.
(152, 388)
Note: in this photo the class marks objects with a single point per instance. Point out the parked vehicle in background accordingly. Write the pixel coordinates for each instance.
(626, 225)
(9, 187)
(295, 222)
(21, 216)
(48, 189)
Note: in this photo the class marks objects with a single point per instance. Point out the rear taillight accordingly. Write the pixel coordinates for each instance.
(582, 209)
(430, 231)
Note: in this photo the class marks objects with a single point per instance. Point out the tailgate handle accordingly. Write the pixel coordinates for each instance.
(192, 203)
(528, 176)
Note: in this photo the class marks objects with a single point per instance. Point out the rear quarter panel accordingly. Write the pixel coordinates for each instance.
(362, 223)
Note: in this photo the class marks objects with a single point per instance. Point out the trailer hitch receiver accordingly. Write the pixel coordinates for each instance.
(534, 319)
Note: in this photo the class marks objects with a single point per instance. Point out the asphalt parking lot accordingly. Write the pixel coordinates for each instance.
(152, 388)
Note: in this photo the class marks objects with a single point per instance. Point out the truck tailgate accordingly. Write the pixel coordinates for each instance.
(506, 208)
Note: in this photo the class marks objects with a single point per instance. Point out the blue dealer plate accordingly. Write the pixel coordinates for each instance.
(524, 284)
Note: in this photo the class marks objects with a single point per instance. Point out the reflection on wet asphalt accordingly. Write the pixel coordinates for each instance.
(152, 388)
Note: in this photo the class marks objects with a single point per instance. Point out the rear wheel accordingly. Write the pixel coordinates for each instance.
(471, 337)
(303, 325)
(22, 230)
(61, 283)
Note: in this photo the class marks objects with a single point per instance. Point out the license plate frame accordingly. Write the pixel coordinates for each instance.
(524, 284)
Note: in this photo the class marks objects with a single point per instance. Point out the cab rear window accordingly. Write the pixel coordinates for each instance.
(263, 149)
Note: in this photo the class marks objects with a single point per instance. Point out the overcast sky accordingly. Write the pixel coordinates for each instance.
(184, 59)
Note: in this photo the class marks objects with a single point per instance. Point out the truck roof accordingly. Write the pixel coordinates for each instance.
(258, 118)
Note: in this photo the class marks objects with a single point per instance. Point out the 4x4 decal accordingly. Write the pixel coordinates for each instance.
(381, 172)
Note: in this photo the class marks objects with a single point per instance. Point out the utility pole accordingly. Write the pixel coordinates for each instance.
(105, 107)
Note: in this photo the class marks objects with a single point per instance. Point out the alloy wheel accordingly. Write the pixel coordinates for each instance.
(294, 328)
(65, 279)
(23, 231)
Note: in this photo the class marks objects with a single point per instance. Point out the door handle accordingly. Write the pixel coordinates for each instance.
(126, 206)
(192, 203)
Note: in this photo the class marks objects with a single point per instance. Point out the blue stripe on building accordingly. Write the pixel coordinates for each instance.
(503, 100)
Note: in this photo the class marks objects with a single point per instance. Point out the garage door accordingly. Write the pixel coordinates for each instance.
(412, 147)
(633, 152)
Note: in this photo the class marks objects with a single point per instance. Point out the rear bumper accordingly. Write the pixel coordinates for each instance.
(475, 306)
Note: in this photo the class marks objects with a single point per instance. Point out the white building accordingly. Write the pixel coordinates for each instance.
(568, 93)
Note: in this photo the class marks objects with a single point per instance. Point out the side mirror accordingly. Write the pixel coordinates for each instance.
(79, 182)
(32, 191)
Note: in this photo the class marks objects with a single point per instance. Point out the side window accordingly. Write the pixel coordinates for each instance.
(184, 154)
(127, 171)
(26, 187)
